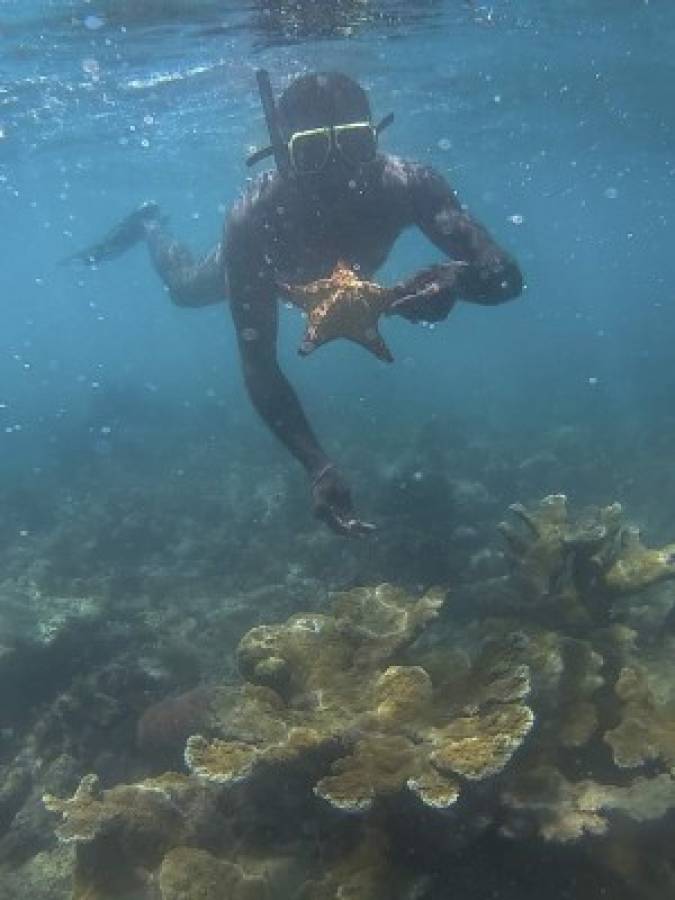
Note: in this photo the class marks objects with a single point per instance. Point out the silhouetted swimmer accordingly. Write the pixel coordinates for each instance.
(333, 197)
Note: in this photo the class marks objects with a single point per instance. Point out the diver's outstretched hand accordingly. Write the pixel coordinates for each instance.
(122, 237)
(333, 503)
(429, 295)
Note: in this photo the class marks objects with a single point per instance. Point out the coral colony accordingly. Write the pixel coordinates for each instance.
(385, 723)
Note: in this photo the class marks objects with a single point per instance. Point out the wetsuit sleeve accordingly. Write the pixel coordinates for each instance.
(190, 282)
(253, 302)
(491, 275)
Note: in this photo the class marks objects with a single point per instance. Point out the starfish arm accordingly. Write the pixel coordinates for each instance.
(363, 329)
(312, 339)
(373, 341)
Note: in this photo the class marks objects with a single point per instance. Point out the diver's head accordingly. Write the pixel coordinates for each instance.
(325, 120)
(321, 99)
(321, 128)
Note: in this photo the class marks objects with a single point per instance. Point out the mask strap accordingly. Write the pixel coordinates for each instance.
(259, 155)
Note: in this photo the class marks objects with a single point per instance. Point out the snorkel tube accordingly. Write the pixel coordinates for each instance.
(277, 147)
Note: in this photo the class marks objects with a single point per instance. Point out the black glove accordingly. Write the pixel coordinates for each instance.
(333, 503)
(124, 235)
(429, 295)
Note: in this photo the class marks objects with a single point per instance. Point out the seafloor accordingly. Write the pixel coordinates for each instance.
(496, 720)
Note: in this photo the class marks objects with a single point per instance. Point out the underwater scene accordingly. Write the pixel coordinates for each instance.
(337, 471)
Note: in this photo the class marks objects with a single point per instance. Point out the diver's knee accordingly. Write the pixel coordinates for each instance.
(178, 298)
(511, 285)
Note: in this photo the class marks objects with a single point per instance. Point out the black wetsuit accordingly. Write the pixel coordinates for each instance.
(297, 231)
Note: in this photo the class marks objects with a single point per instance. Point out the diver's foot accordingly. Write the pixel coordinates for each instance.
(146, 213)
(122, 237)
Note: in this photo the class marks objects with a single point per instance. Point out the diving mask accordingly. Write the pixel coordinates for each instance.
(309, 151)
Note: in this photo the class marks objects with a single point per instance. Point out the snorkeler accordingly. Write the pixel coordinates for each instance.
(333, 198)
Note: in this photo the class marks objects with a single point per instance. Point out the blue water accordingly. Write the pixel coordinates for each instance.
(132, 466)
(555, 124)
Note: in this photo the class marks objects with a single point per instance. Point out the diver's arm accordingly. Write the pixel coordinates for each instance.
(490, 274)
(189, 283)
(255, 314)
(255, 319)
(249, 245)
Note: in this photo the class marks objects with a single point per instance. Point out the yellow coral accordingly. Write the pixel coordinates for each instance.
(188, 873)
(125, 830)
(402, 694)
(378, 766)
(638, 567)
(383, 730)
(563, 562)
(647, 729)
(476, 747)
(566, 811)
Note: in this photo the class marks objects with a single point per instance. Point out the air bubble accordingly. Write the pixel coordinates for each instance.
(93, 23)
(91, 67)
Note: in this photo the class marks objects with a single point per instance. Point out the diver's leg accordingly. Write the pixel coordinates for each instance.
(190, 282)
(170, 258)
(121, 238)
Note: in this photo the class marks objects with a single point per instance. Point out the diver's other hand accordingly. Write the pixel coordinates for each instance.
(132, 229)
(333, 503)
(429, 295)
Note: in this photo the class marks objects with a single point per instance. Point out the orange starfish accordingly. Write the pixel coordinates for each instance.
(342, 306)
